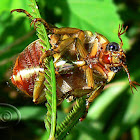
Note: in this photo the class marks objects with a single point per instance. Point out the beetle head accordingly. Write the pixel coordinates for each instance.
(115, 57)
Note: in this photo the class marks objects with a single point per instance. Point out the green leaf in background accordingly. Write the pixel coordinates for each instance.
(13, 32)
(94, 15)
(8, 5)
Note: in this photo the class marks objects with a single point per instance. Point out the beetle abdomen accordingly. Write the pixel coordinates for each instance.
(27, 67)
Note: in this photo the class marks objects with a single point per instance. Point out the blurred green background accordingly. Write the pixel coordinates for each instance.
(115, 114)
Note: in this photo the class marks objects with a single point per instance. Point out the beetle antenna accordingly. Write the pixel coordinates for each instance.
(120, 32)
(131, 83)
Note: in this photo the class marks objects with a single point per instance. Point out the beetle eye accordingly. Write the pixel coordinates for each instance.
(113, 46)
(116, 69)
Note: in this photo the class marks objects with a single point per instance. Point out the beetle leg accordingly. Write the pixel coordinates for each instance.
(44, 55)
(66, 30)
(94, 49)
(38, 93)
(78, 43)
(89, 77)
(93, 95)
(120, 32)
(63, 46)
(55, 30)
(79, 92)
(48, 26)
(65, 43)
(58, 51)
(22, 11)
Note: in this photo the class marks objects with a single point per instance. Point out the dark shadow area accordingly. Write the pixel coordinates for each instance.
(55, 12)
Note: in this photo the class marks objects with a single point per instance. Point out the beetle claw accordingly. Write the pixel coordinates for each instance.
(34, 22)
(132, 84)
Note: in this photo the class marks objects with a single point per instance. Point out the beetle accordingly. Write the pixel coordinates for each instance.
(84, 63)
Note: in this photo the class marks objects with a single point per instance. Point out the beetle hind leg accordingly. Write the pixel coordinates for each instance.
(38, 93)
(49, 27)
(22, 11)
(34, 20)
(91, 98)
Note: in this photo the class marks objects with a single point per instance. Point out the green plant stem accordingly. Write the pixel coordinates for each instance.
(37, 15)
(53, 123)
(72, 118)
(42, 33)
